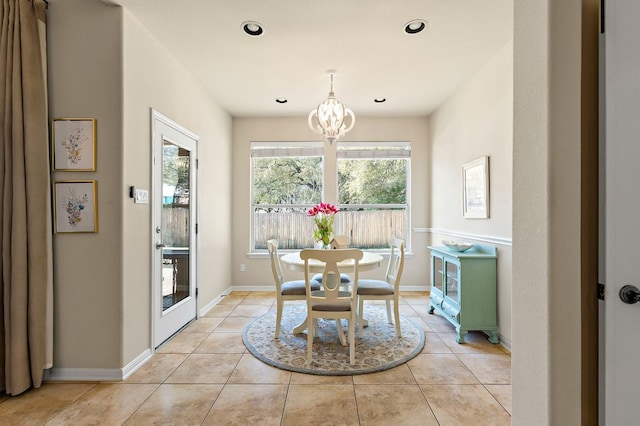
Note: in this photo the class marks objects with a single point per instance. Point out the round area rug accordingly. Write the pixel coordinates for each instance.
(379, 348)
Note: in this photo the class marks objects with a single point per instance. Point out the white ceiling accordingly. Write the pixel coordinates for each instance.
(363, 40)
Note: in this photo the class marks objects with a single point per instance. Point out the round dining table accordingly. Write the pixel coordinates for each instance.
(368, 262)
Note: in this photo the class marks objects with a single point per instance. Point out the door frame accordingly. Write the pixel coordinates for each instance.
(157, 192)
(589, 216)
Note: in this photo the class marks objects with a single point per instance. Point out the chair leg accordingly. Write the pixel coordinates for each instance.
(360, 316)
(311, 324)
(278, 318)
(352, 340)
(396, 311)
(388, 310)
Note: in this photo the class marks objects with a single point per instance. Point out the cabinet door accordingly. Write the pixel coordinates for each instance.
(438, 273)
(452, 290)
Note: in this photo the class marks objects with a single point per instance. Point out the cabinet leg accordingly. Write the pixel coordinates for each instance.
(431, 308)
(493, 337)
(460, 337)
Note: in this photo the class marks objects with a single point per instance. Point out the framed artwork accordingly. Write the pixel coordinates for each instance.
(475, 189)
(73, 144)
(75, 206)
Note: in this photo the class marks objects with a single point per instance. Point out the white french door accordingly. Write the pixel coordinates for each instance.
(622, 204)
(174, 227)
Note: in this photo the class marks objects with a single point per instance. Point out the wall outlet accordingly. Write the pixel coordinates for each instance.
(243, 267)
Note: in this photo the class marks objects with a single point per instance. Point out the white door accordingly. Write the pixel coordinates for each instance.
(174, 227)
(622, 211)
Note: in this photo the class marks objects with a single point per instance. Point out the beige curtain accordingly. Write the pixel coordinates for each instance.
(25, 231)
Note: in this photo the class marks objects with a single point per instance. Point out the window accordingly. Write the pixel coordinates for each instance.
(372, 191)
(287, 180)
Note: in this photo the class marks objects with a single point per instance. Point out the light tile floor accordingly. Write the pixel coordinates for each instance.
(205, 376)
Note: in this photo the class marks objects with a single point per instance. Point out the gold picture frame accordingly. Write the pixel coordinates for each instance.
(475, 189)
(73, 144)
(75, 207)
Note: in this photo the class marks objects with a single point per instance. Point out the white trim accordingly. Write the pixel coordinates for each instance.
(504, 342)
(138, 362)
(206, 308)
(84, 374)
(475, 237)
(169, 122)
(98, 374)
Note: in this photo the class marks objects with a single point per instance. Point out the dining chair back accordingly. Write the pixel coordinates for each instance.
(338, 242)
(387, 289)
(285, 290)
(332, 301)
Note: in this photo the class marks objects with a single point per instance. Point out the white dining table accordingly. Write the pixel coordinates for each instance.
(368, 262)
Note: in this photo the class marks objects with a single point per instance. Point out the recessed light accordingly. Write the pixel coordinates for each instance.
(281, 100)
(415, 26)
(380, 100)
(252, 28)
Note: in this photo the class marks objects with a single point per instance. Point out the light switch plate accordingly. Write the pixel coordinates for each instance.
(141, 196)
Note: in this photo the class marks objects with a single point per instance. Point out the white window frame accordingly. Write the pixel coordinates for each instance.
(280, 149)
(395, 150)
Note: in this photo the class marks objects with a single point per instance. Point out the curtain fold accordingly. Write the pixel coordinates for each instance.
(25, 231)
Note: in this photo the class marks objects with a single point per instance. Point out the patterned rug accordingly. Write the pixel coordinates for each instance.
(379, 348)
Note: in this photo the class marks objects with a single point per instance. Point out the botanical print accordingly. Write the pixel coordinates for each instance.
(74, 144)
(74, 205)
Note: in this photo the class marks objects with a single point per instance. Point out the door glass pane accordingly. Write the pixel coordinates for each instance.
(437, 273)
(452, 281)
(176, 175)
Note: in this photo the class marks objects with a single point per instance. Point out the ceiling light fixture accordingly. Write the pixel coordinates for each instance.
(252, 28)
(415, 26)
(380, 100)
(330, 116)
(281, 100)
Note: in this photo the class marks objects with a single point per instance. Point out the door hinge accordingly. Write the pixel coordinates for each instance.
(197, 164)
(196, 291)
(600, 291)
(196, 228)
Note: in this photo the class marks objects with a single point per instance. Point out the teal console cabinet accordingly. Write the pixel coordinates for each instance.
(463, 288)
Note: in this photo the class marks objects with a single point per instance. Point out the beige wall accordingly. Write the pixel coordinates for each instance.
(154, 79)
(546, 215)
(85, 56)
(246, 130)
(110, 68)
(477, 121)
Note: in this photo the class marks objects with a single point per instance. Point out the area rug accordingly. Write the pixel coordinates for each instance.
(379, 348)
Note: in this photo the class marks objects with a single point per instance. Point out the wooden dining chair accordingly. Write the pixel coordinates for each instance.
(331, 302)
(285, 290)
(387, 289)
(338, 242)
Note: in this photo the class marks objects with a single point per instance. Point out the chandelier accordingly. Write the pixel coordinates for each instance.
(330, 116)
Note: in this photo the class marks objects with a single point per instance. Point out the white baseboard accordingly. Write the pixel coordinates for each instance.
(206, 308)
(138, 362)
(97, 374)
(415, 288)
(84, 374)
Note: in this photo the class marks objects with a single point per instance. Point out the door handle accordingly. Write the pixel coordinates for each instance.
(159, 245)
(630, 294)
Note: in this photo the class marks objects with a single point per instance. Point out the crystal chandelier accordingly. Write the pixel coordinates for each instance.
(330, 116)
